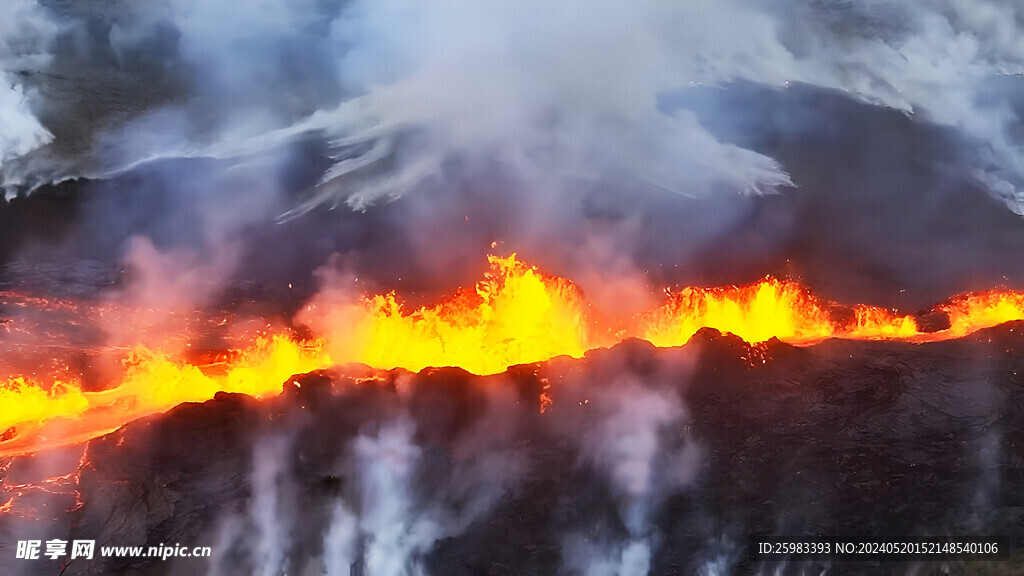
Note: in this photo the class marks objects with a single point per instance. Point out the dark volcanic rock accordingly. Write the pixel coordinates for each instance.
(932, 321)
(867, 440)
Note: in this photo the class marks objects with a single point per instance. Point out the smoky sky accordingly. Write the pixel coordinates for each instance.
(870, 149)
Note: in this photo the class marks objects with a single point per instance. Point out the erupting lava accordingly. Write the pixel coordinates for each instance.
(767, 309)
(789, 312)
(972, 312)
(516, 315)
(755, 313)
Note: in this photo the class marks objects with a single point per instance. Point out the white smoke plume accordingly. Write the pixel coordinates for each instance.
(551, 94)
(402, 492)
(261, 534)
(341, 542)
(569, 90)
(268, 511)
(635, 438)
(24, 35)
(396, 518)
(600, 558)
(396, 537)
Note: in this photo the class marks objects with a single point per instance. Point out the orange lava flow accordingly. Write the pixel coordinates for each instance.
(768, 309)
(788, 311)
(515, 315)
(755, 313)
(42, 415)
(973, 312)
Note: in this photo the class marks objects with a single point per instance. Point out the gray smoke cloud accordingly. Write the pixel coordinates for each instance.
(341, 542)
(24, 35)
(577, 133)
(635, 437)
(551, 94)
(268, 510)
(262, 532)
(397, 537)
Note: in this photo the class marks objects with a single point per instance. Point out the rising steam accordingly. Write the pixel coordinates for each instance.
(553, 95)
(634, 438)
(24, 36)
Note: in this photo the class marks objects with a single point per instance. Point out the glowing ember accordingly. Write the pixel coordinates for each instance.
(516, 315)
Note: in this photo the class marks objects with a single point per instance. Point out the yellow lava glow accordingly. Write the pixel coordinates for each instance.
(755, 313)
(873, 323)
(63, 413)
(973, 312)
(516, 315)
(21, 401)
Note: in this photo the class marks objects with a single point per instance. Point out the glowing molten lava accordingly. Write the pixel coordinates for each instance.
(38, 415)
(787, 311)
(755, 313)
(874, 323)
(768, 309)
(973, 312)
(516, 315)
